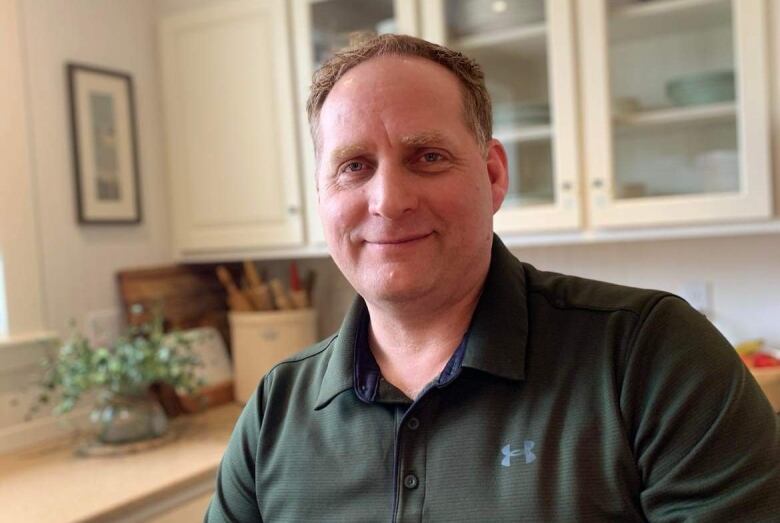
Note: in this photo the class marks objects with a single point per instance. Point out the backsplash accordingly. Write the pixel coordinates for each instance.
(743, 274)
(19, 374)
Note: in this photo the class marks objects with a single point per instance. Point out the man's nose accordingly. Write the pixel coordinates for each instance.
(393, 192)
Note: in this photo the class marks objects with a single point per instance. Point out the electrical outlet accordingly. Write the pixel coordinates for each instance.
(698, 293)
(103, 327)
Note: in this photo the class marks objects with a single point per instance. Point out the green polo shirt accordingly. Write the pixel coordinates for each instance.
(574, 400)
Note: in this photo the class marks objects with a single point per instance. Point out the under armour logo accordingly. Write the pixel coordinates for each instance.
(508, 453)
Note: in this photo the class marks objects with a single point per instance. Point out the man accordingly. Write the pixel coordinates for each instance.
(465, 385)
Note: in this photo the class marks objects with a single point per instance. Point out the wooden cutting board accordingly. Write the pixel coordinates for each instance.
(191, 296)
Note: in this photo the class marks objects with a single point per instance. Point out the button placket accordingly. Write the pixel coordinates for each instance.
(412, 461)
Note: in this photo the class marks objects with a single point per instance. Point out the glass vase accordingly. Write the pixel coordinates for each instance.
(128, 417)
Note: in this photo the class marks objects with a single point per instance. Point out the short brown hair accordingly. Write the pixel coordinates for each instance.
(476, 100)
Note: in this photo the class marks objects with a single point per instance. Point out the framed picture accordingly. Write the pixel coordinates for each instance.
(105, 155)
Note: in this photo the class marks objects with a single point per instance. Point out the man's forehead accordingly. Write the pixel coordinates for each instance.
(390, 95)
(382, 80)
(394, 65)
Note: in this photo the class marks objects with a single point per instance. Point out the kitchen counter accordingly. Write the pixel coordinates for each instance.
(51, 484)
(768, 379)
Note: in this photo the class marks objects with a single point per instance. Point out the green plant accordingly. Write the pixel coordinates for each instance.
(143, 356)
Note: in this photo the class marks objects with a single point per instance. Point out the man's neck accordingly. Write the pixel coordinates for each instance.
(411, 348)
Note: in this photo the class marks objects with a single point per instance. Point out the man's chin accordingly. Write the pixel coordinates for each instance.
(396, 293)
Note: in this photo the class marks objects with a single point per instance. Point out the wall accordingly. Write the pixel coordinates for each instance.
(57, 269)
(79, 261)
(743, 273)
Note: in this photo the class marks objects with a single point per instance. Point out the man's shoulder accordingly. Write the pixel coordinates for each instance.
(310, 357)
(298, 379)
(575, 292)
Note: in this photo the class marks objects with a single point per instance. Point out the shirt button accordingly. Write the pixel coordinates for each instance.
(410, 481)
(413, 423)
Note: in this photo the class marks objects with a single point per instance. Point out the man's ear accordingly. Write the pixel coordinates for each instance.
(498, 172)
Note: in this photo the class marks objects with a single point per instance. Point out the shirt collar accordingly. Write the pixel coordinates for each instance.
(499, 328)
(339, 372)
(497, 336)
(367, 374)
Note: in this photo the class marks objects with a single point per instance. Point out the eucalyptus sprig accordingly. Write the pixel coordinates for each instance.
(143, 356)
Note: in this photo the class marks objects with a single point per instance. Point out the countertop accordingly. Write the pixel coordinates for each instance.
(51, 484)
(768, 379)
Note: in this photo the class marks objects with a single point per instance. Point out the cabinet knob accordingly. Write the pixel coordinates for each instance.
(598, 183)
(292, 209)
(566, 186)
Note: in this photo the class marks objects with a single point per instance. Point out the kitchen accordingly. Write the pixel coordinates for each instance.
(60, 269)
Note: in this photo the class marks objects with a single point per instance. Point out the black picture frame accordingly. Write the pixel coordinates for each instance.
(104, 140)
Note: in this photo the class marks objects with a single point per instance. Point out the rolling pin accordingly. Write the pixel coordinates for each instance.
(281, 299)
(257, 291)
(236, 299)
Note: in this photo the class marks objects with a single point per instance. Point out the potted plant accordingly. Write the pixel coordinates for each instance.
(121, 374)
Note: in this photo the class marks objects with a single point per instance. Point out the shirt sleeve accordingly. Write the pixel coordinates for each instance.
(235, 497)
(705, 439)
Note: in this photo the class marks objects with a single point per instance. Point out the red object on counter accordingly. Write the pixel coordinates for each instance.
(765, 360)
(759, 360)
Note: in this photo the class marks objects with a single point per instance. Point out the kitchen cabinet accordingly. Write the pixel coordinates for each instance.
(320, 28)
(527, 50)
(230, 128)
(677, 120)
(598, 102)
(674, 116)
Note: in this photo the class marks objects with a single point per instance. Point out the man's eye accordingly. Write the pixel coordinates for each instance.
(351, 167)
(431, 157)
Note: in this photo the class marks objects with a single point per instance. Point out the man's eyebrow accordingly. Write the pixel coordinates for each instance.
(346, 151)
(425, 138)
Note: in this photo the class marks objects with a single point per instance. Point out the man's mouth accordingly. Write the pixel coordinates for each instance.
(398, 240)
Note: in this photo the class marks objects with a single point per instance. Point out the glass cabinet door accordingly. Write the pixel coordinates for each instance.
(526, 50)
(334, 22)
(322, 27)
(675, 104)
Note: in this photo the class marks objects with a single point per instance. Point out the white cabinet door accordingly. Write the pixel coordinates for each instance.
(527, 50)
(320, 28)
(234, 176)
(676, 115)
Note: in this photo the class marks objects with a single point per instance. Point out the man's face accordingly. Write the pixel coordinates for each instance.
(406, 195)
